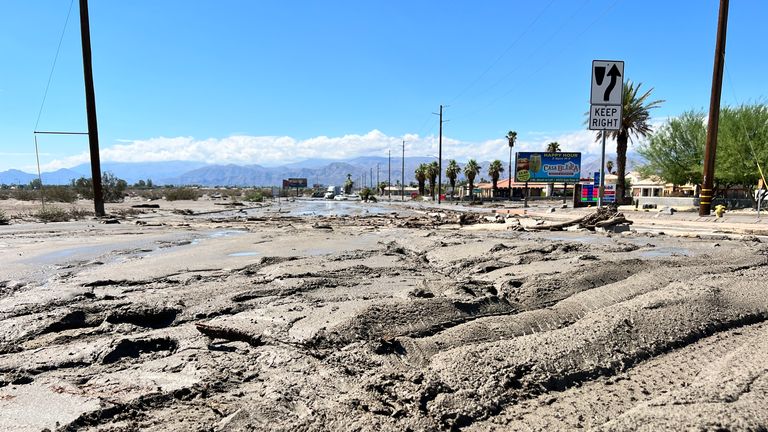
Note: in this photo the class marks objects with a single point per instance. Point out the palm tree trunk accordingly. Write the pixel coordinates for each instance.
(621, 165)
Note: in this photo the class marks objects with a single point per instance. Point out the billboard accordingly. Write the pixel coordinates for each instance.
(294, 183)
(557, 167)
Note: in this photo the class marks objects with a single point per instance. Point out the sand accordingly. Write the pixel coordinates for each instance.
(314, 315)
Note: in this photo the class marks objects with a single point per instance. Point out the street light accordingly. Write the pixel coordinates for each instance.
(511, 137)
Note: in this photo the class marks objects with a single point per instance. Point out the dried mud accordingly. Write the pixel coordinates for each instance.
(404, 321)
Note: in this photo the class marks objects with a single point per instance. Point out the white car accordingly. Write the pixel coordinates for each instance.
(340, 197)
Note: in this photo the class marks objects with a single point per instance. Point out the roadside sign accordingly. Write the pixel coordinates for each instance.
(294, 183)
(597, 178)
(607, 82)
(553, 167)
(605, 117)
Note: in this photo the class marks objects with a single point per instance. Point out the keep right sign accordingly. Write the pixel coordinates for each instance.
(605, 117)
(607, 82)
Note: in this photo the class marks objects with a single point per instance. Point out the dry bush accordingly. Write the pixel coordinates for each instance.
(52, 214)
(178, 194)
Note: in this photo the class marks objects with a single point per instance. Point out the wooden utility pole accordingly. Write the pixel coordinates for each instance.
(90, 108)
(389, 174)
(710, 148)
(440, 157)
(402, 176)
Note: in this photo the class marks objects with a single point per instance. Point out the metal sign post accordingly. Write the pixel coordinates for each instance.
(606, 105)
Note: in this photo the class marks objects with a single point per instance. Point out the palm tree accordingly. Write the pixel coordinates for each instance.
(452, 172)
(494, 170)
(553, 147)
(609, 166)
(634, 121)
(471, 169)
(421, 177)
(348, 185)
(511, 138)
(432, 170)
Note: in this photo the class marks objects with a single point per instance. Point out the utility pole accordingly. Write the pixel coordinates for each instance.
(440, 155)
(378, 183)
(710, 147)
(90, 108)
(389, 175)
(402, 176)
(370, 179)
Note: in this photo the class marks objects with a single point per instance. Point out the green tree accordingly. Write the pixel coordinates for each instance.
(494, 170)
(675, 152)
(609, 166)
(149, 183)
(635, 121)
(433, 169)
(553, 147)
(452, 172)
(742, 145)
(348, 184)
(421, 177)
(471, 169)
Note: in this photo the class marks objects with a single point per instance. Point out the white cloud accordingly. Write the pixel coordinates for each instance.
(276, 150)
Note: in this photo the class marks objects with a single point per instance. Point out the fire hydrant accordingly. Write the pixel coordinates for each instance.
(719, 210)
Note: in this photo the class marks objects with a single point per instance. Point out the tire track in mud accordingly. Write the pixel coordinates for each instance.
(482, 378)
(658, 274)
(605, 400)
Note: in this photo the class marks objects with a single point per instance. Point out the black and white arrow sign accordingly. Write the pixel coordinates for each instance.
(607, 82)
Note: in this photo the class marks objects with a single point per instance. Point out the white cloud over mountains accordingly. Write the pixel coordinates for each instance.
(278, 150)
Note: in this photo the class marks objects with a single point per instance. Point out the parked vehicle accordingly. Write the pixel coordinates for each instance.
(332, 192)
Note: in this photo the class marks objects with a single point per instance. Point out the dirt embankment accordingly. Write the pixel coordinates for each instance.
(384, 323)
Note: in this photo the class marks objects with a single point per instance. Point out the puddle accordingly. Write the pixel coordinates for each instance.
(225, 233)
(243, 254)
(665, 252)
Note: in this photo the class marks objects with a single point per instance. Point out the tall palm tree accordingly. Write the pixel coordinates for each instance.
(635, 121)
(511, 138)
(471, 169)
(609, 166)
(433, 169)
(553, 147)
(494, 170)
(452, 172)
(421, 177)
(348, 184)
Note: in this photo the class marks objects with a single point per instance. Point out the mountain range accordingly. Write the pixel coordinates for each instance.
(316, 171)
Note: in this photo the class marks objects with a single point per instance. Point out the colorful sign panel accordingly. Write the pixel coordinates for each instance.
(295, 183)
(547, 167)
(589, 193)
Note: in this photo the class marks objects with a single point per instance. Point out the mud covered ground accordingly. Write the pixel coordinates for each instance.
(384, 318)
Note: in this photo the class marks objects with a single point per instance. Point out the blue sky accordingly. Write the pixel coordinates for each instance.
(269, 82)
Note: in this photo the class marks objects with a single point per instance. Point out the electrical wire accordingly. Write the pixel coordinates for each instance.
(53, 67)
(746, 132)
(544, 64)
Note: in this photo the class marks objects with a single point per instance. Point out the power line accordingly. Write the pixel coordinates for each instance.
(504, 53)
(53, 67)
(544, 64)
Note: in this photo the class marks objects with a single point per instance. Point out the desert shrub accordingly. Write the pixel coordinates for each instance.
(4, 195)
(52, 214)
(177, 194)
(26, 194)
(63, 194)
(112, 188)
(150, 194)
(4, 219)
(77, 213)
(254, 196)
